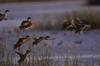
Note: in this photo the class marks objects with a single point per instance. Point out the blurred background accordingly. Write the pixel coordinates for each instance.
(90, 2)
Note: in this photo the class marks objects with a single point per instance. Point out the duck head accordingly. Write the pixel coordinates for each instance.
(28, 18)
(6, 11)
(27, 36)
(47, 37)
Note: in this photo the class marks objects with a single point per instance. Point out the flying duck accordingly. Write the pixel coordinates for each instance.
(37, 40)
(69, 25)
(26, 24)
(4, 15)
(85, 25)
(21, 41)
(82, 25)
(65, 24)
(22, 56)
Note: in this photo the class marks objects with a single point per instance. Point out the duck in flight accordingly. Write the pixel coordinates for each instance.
(22, 56)
(21, 41)
(39, 39)
(3, 16)
(65, 24)
(82, 25)
(78, 25)
(26, 24)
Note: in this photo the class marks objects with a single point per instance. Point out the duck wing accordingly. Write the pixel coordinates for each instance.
(23, 23)
(18, 44)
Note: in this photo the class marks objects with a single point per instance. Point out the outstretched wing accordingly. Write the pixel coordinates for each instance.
(23, 23)
(18, 44)
(26, 24)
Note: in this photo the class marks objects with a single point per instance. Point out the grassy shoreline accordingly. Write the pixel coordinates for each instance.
(91, 16)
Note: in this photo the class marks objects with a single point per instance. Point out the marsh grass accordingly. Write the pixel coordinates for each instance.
(55, 22)
(7, 60)
(90, 15)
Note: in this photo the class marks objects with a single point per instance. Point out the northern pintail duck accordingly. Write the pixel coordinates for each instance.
(82, 25)
(3, 15)
(26, 24)
(21, 41)
(65, 24)
(37, 40)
